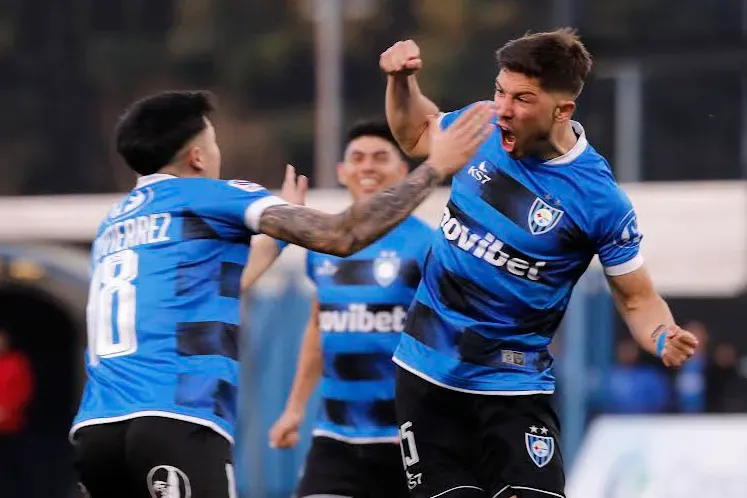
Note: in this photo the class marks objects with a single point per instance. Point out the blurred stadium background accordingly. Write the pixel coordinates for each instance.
(667, 104)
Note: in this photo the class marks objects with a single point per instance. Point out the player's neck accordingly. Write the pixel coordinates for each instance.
(561, 141)
(179, 171)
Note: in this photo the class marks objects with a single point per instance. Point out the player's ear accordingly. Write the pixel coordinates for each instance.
(564, 110)
(342, 176)
(195, 158)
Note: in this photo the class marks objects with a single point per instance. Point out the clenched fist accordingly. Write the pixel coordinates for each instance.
(284, 432)
(402, 58)
(674, 345)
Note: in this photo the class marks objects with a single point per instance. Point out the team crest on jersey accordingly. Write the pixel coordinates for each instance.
(543, 217)
(386, 268)
(245, 185)
(166, 481)
(131, 204)
(540, 448)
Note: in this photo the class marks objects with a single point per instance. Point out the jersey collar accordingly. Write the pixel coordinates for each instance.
(151, 179)
(575, 151)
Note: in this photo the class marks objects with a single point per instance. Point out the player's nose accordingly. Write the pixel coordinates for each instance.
(368, 165)
(504, 110)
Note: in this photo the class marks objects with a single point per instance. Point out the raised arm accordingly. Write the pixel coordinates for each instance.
(362, 223)
(365, 221)
(407, 109)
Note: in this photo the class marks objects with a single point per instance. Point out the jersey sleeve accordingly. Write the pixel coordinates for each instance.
(236, 205)
(618, 239)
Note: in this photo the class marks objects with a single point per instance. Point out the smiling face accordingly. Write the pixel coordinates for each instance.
(371, 164)
(527, 113)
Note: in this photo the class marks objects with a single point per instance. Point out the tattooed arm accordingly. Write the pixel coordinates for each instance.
(358, 226)
(366, 221)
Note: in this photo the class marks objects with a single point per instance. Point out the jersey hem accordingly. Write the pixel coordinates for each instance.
(430, 379)
(355, 439)
(149, 413)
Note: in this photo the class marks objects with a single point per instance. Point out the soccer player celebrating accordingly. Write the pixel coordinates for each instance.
(525, 217)
(355, 324)
(158, 410)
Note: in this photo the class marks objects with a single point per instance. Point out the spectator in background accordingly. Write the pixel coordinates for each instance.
(690, 380)
(725, 388)
(16, 386)
(635, 388)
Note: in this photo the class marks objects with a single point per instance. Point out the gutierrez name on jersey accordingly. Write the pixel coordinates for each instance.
(132, 232)
(488, 248)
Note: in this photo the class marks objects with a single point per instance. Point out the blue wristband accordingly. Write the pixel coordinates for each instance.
(660, 340)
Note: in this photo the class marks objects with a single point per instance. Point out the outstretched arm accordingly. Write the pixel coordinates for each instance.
(362, 223)
(367, 220)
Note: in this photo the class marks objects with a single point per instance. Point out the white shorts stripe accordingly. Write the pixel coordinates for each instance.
(230, 476)
(326, 496)
(455, 488)
(355, 440)
(504, 488)
(548, 493)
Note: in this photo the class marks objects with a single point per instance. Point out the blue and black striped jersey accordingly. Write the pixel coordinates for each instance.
(363, 302)
(164, 302)
(515, 238)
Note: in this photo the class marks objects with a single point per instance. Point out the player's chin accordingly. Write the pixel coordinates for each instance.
(513, 151)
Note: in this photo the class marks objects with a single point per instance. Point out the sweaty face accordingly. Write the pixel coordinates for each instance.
(371, 164)
(205, 152)
(525, 113)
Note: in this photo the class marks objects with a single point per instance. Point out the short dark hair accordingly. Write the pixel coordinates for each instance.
(154, 129)
(557, 59)
(371, 128)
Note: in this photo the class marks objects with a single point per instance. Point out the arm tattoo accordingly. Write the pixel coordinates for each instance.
(361, 224)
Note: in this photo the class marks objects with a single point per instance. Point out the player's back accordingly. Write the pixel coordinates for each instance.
(515, 237)
(164, 302)
(363, 302)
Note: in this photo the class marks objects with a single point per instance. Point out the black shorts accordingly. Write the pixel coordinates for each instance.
(356, 470)
(477, 445)
(151, 457)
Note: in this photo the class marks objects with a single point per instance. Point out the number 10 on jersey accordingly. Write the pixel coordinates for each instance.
(111, 307)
